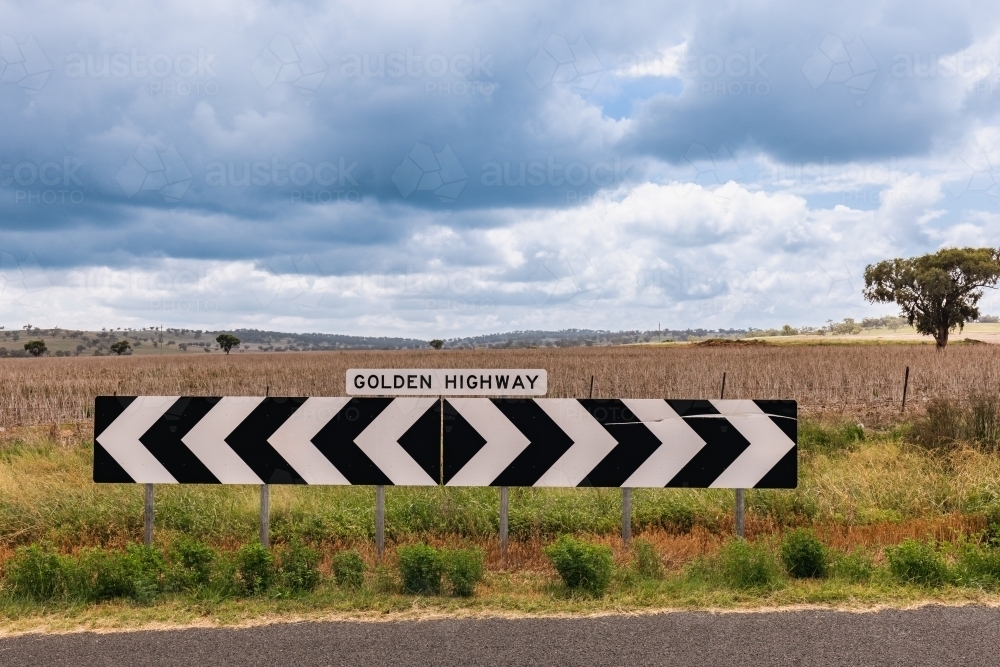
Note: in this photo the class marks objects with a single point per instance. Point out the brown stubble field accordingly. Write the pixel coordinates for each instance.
(863, 382)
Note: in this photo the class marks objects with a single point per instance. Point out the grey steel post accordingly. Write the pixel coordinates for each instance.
(740, 493)
(380, 519)
(626, 515)
(265, 515)
(148, 507)
(504, 499)
(740, 496)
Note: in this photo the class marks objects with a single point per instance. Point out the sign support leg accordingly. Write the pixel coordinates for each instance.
(380, 520)
(626, 515)
(148, 511)
(265, 515)
(504, 499)
(740, 498)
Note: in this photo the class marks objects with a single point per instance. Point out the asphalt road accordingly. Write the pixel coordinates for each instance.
(938, 636)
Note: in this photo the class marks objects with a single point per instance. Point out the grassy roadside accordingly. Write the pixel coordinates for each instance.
(501, 593)
(859, 489)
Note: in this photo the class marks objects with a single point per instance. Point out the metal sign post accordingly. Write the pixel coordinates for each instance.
(148, 511)
(626, 515)
(504, 496)
(380, 520)
(265, 516)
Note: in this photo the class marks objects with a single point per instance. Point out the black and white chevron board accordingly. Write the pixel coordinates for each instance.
(458, 441)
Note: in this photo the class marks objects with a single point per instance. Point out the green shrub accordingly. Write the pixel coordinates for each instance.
(582, 566)
(645, 561)
(421, 567)
(978, 566)
(829, 438)
(255, 567)
(856, 567)
(191, 564)
(36, 573)
(803, 555)
(349, 569)
(914, 562)
(135, 574)
(464, 570)
(299, 567)
(748, 565)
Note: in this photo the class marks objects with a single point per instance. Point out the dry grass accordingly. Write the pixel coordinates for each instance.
(863, 381)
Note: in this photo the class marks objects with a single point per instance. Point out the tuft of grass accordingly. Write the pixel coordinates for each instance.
(421, 567)
(646, 562)
(349, 569)
(255, 566)
(298, 566)
(464, 569)
(747, 565)
(916, 562)
(191, 564)
(856, 567)
(977, 565)
(803, 555)
(829, 439)
(582, 566)
(36, 573)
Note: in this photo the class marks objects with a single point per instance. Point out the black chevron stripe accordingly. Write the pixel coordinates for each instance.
(336, 441)
(635, 442)
(723, 445)
(461, 442)
(784, 474)
(422, 441)
(163, 440)
(785, 416)
(249, 440)
(547, 442)
(106, 469)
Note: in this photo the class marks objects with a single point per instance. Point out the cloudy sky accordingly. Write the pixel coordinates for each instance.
(444, 169)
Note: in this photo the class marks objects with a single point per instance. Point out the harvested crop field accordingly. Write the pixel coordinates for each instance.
(864, 382)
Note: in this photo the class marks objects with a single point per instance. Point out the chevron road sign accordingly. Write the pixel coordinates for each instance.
(256, 440)
(475, 442)
(627, 443)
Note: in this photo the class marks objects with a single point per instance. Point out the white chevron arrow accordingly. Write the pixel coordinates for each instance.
(591, 442)
(768, 444)
(380, 441)
(207, 440)
(121, 439)
(294, 440)
(503, 442)
(679, 443)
